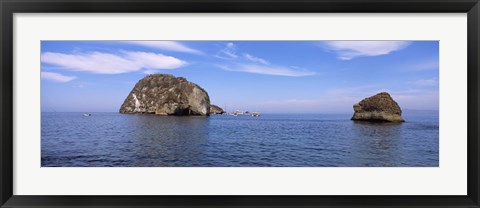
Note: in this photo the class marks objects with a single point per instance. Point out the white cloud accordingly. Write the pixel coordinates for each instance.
(268, 70)
(252, 58)
(229, 52)
(107, 63)
(167, 45)
(56, 77)
(252, 64)
(347, 50)
(155, 60)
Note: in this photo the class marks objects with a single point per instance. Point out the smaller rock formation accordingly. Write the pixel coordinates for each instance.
(380, 107)
(216, 110)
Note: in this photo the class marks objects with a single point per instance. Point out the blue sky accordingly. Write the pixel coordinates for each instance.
(268, 76)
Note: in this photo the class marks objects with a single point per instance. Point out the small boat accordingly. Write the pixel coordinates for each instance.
(87, 114)
(236, 113)
(255, 114)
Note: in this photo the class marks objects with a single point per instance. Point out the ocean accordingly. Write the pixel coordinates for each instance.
(271, 140)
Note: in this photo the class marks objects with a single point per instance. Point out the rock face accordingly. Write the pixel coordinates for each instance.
(380, 107)
(164, 94)
(216, 110)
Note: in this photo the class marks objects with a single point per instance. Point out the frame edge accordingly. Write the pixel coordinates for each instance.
(6, 106)
(6, 96)
(473, 145)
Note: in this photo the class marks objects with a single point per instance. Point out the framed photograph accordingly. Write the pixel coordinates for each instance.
(268, 103)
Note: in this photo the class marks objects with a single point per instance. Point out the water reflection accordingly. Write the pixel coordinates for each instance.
(376, 144)
(168, 140)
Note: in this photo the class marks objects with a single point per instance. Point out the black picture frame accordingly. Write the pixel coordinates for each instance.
(10, 7)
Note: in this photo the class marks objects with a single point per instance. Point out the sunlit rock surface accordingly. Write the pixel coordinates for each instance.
(164, 94)
(380, 107)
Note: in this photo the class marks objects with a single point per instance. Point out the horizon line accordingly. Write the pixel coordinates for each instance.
(232, 111)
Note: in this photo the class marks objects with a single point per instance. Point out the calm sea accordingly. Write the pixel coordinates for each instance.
(271, 140)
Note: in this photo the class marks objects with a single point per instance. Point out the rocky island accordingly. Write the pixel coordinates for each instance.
(164, 94)
(380, 107)
(216, 110)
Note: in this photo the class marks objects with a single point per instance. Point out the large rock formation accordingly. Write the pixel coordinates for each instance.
(164, 94)
(216, 110)
(380, 107)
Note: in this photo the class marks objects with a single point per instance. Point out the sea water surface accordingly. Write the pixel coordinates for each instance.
(271, 140)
